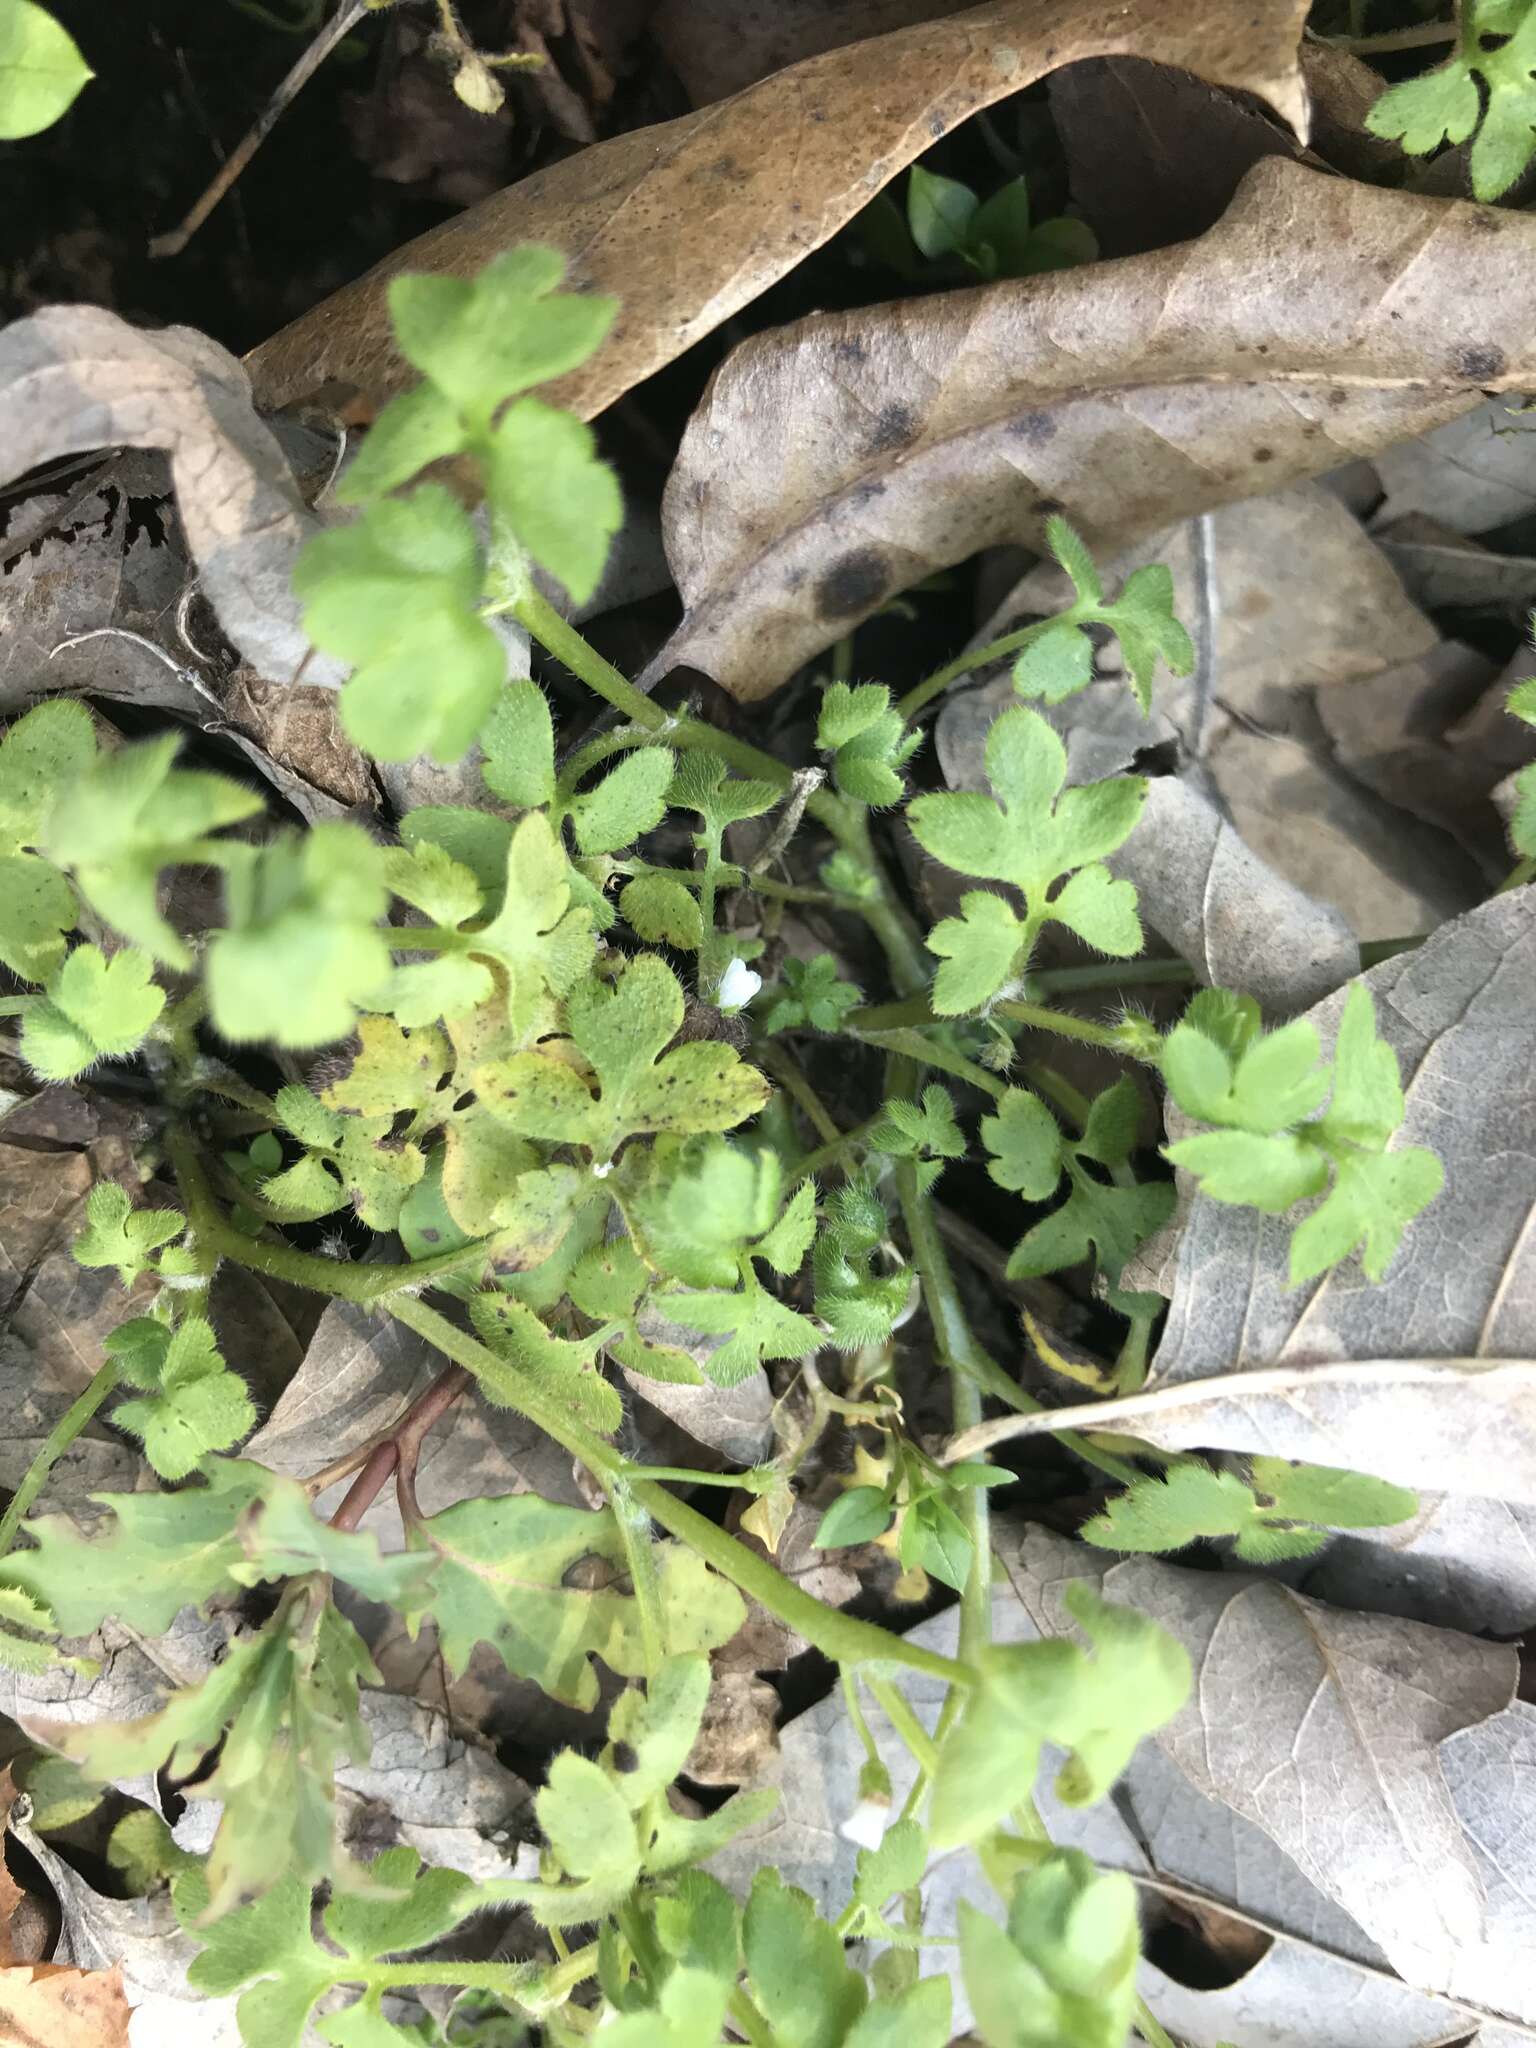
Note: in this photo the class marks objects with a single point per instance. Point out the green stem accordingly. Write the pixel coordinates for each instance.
(1422, 35)
(917, 1010)
(842, 1637)
(956, 1345)
(1151, 2028)
(836, 1150)
(933, 686)
(509, 1979)
(55, 1444)
(1517, 878)
(775, 1061)
(343, 1281)
(17, 1006)
(749, 2022)
(893, 1704)
(928, 1052)
(645, 1581)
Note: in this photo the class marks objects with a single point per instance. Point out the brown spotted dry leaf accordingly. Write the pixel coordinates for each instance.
(689, 221)
(839, 460)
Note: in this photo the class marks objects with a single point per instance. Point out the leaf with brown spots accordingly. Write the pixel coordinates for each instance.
(689, 221)
(837, 461)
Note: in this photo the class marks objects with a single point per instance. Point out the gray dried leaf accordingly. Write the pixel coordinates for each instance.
(1235, 920)
(1321, 1727)
(145, 1937)
(837, 461)
(1472, 474)
(76, 378)
(1460, 1562)
(113, 558)
(1441, 568)
(361, 1372)
(1392, 733)
(448, 1799)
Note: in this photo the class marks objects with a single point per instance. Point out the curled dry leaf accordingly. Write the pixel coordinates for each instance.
(76, 378)
(837, 461)
(64, 2007)
(689, 221)
(1472, 474)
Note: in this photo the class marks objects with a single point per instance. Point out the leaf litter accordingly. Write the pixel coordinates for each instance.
(1341, 1814)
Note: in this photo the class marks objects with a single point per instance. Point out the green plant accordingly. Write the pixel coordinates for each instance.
(1485, 89)
(587, 1170)
(41, 70)
(995, 237)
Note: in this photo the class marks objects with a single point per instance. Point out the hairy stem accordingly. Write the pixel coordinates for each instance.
(917, 1010)
(55, 1444)
(923, 693)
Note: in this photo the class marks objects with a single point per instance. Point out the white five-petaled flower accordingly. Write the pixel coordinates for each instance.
(867, 1823)
(738, 985)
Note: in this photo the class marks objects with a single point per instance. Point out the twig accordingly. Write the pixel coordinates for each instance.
(341, 24)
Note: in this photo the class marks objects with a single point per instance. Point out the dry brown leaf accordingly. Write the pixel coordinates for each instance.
(718, 47)
(837, 461)
(47, 2005)
(690, 220)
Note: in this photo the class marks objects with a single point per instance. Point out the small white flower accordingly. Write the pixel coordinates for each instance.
(867, 1823)
(738, 985)
(601, 1171)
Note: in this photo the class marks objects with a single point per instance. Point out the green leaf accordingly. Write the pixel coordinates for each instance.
(1101, 910)
(1276, 1082)
(629, 801)
(549, 488)
(934, 1537)
(418, 427)
(857, 1516)
(1338, 1499)
(1070, 550)
(502, 1567)
(1025, 1143)
(269, 1945)
(1056, 666)
(91, 1009)
(1167, 1511)
(518, 740)
(1063, 1975)
(1143, 621)
(911, 1130)
(117, 1234)
(586, 1820)
(395, 594)
(1374, 1199)
(1097, 1707)
(1106, 1222)
(859, 1303)
(159, 1552)
(481, 341)
(703, 784)
(300, 949)
(651, 1733)
(919, 2017)
(279, 1713)
(566, 1368)
(1265, 1173)
(41, 756)
(194, 1403)
(662, 911)
(621, 1031)
(999, 234)
(795, 1968)
(939, 212)
(848, 710)
(809, 992)
(132, 813)
(41, 70)
(755, 1325)
(867, 767)
(1039, 830)
(978, 950)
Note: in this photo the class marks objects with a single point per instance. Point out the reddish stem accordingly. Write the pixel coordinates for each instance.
(399, 1451)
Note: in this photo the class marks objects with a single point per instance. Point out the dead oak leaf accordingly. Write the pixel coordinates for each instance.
(839, 460)
(688, 221)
